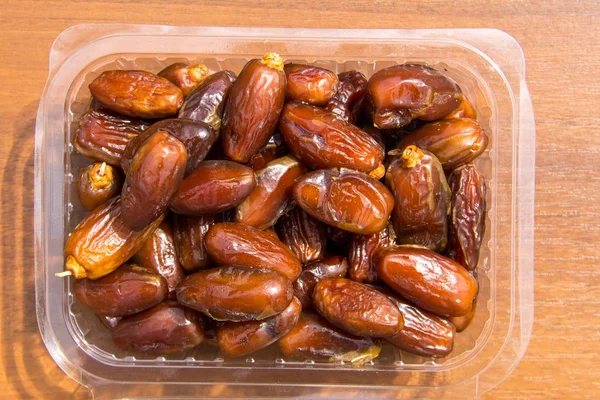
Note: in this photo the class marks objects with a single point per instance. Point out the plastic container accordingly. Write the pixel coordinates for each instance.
(490, 68)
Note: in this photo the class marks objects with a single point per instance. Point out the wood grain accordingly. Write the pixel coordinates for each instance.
(562, 48)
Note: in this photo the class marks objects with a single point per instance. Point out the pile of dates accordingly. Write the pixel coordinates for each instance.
(324, 213)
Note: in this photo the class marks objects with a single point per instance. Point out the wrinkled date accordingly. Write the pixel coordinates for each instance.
(347, 103)
(154, 176)
(356, 308)
(346, 199)
(197, 137)
(454, 141)
(214, 186)
(138, 94)
(189, 233)
(464, 110)
(303, 234)
(239, 244)
(98, 183)
(185, 76)
(272, 195)
(312, 273)
(242, 338)
(422, 199)
(431, 281)
(362, 250)
(253, 107)
(102, 242)
(160, 255)
(233, 293)
(274, 149)
(320, 139)
(125, 291)
(309, 84)
(401, 93)
(165, 329)
(207, 102)
(103, 136)
(313, 338)
(466, 222)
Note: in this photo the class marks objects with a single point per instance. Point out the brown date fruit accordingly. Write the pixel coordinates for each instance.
(363, 249)
(214, 186)
(233, 293)
(314, 338)
(210, 331)
(103, 136)
(239, 244)
(431, 281)
(464, 110)
(98, 183)
(462, 323)
(109, 322)
(303, 234)
(454, 141)
(309, 84)
(185, 76)
(356, 308)
(346, 199)
(253, 107)
(242, 338)
(207, 101)
(102, 242)
(138, 94)
(312, 273)
(164, 329)
(159, 254)
(275, 148)
(154, 176)
(320, 139)
(347, 103)
(126, 291)
(422, 199)
(197, 137)
(466, 222)
(189, 233)
(401, 93)
(272, 195)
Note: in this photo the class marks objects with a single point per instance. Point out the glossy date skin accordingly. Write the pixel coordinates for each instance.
(347, 103)
(214, 186)
(139, 94)
(320, 139)
(310, 84)
(422, 199)
(125, 291)
(312, 273)
(238, 244)
(197, 137)
(346, 199)
(431, 281)
(462, 323)
(155, 174)
(454, 142)
(103, 136)
(464, 110)
(98, 183)
(466, 222)
(159, 254)
(102, 242)
(272, 195)
(164, 329)
(189, 233)
(233, 293)
(253, 107)
(207, 102)
(303, 234)
(274, 149)
(314, 338)
(363, 249)
(242, 338)
(185, 76)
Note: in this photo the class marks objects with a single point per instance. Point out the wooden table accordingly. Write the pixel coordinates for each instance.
(562, 48)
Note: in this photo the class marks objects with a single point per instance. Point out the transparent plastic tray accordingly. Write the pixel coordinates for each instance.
(490, 68)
